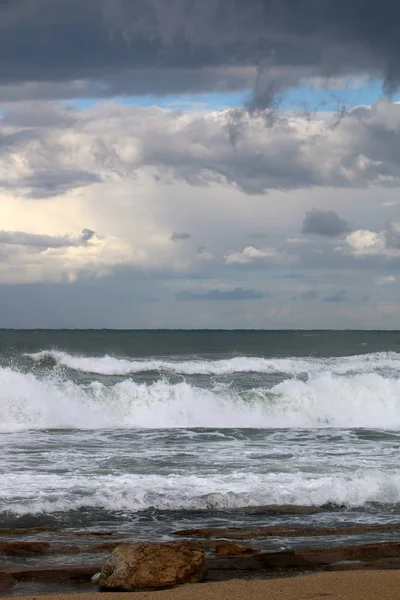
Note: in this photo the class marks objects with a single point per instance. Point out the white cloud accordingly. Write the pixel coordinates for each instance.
(390, 203)
(363, 241)
(389, 279)
(251, 254)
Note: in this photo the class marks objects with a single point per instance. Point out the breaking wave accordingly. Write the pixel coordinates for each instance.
(325, 399)
(49, 493)
(109, 365)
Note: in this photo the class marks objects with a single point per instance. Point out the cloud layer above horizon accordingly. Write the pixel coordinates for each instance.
(114, 214)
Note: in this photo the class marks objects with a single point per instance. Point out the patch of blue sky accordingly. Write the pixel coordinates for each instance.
(315, 98)
(309, 97)
(206, 101)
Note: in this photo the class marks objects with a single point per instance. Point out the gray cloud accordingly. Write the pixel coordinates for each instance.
(309, 295)
(20, 238)
(44, 161)
(235, 294)
(39, 114)
(258, 236)
(31, 131)
(176, 237)
(392, 235)
(87, 234)
(202, 253)
(47, 183)
(152, 46)
(324, 222)
(340, 296)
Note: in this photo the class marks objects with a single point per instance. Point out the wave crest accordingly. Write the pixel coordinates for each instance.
(134, 493)
(324, 400)
(110, 365)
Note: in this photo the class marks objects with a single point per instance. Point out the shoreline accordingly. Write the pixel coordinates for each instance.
(366, 585)
(41, 562)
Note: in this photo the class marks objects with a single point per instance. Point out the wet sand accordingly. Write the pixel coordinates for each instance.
(362, 585)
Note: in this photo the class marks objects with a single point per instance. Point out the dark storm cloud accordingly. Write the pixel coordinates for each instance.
(34, 240)
(324, 222)
(236, 294)
(103, 47)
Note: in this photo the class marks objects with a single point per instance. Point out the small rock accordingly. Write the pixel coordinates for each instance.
(152, 566)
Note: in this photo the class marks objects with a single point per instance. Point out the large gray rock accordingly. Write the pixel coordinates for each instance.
(152, 566)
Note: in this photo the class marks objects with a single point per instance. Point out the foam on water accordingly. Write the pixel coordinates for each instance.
(325, 400)
(98, 435)
(27, 493)
(109, 365)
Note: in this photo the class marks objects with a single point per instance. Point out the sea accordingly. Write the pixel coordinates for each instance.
(148, 432)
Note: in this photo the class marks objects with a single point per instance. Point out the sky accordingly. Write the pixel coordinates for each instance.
(216, 164)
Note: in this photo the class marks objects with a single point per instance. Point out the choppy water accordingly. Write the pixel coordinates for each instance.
(153, 431)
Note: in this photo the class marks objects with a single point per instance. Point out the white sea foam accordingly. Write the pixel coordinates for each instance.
(27, 493)
(324, 400)
(109, 365)
(143, 467)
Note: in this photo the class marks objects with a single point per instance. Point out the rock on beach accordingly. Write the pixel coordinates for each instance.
(152, 566)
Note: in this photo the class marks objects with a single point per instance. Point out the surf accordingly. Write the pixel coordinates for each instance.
(292, 366)
(51, 401)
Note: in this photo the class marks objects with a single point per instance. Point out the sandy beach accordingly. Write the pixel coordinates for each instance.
(366, 585)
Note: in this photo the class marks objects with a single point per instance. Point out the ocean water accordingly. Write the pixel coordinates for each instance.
(151, 431)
